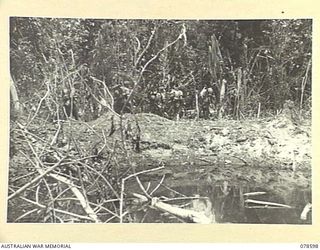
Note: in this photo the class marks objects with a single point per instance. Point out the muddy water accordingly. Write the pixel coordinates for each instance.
(227, 204)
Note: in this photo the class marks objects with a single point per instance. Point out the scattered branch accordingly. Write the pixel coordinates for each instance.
(35, 180)
(267, 203)
(147, 46)
(81, 198)
(123, 185)
(39, 105)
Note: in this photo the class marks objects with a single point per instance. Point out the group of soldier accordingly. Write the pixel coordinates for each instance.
(161, 102)
(170, 104)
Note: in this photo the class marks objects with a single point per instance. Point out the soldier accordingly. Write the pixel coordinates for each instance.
(159, 102)
(121, 95)
(206, 99)
(176, 97)
(156, 101)
(152, 101)
(70, 108)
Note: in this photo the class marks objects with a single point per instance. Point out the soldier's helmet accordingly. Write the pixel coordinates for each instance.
(158, 96)
(179, 94)
(152, 96)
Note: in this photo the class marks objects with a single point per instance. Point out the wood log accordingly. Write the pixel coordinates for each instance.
(186, 214)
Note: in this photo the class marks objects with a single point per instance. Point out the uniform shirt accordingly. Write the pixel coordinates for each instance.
(203, 92)
(176, 94)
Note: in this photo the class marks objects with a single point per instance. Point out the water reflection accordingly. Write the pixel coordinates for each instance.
(228, 204)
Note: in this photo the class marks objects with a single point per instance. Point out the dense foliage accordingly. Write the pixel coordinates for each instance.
(126, 164)
(250, 64)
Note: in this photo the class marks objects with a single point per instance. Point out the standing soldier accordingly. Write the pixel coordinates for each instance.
(152, 101)
(156, 100)
(121, 95)
(165, 98)
(159, 104)
(70, 109)
(206, 99)
(176, 96)
(118, 102)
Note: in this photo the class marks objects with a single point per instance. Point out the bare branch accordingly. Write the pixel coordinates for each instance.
(123, 183)
(83, 201)
(156, 188)
(103, 102)
(106, 90)
(147, 46)
(39, 105)
(44, 173)
(136, 82)
(57, 210)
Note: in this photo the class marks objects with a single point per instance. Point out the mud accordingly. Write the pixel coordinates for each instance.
(199, 158)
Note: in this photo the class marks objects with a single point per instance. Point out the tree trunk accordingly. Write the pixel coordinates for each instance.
(197, 107)
(14, 98)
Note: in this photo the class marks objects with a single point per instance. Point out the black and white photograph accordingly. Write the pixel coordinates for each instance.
(160, 121)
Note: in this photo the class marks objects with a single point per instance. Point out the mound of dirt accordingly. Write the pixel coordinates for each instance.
(269, 154)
